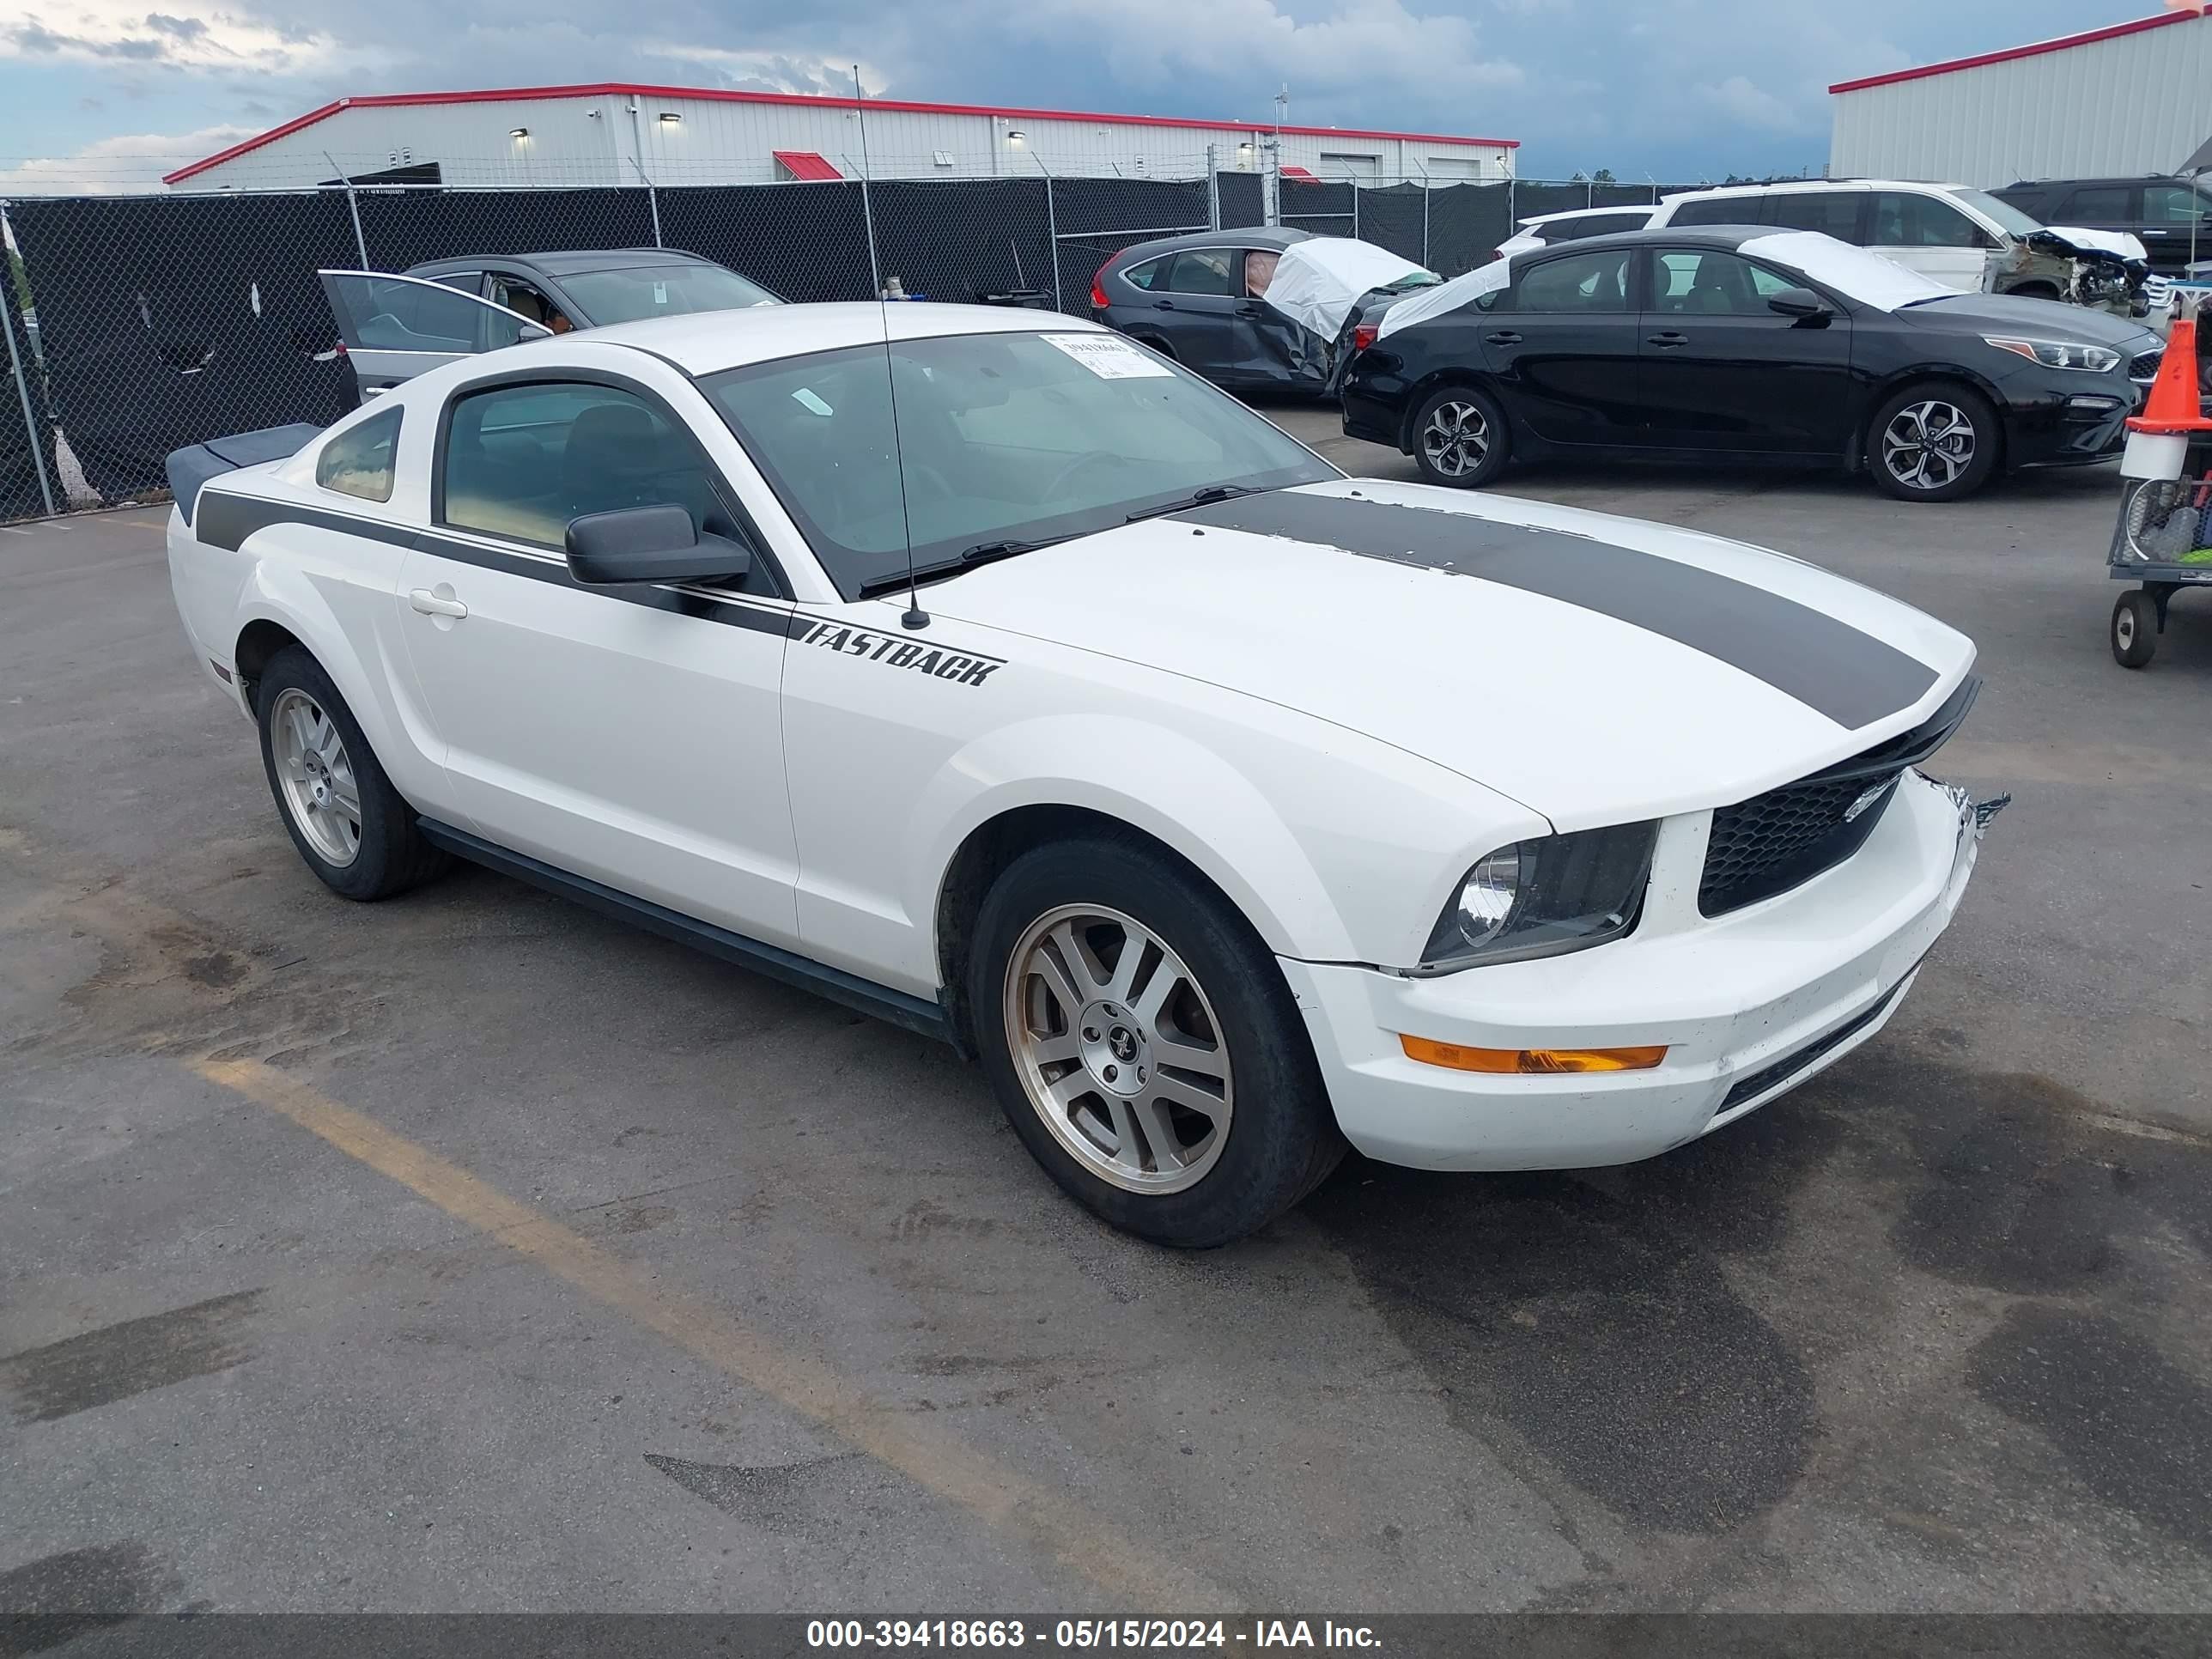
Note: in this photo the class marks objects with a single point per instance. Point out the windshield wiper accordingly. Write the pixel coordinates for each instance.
(982, 553)
(1205, 497)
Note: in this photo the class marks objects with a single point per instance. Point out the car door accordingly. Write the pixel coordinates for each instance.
(1722, 372)
(630, 735)
(2175, 224)
(1924, 232)
(1562, 344)
(1194, 309)
(394, 328)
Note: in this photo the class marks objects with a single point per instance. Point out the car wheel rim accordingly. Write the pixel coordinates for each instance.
(1456, 438)
(1928, 446)
(315, 776)
(1118, 1048)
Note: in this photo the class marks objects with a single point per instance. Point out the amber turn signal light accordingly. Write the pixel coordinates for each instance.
(1531, 1062)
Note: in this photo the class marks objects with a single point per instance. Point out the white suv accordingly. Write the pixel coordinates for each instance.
(1963, 238)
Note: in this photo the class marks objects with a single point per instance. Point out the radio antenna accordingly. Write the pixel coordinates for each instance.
(916, 616)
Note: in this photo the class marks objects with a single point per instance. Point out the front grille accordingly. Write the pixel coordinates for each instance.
(1767, 1077)
(1774, 841)
(2143, 368)
(1777, 841)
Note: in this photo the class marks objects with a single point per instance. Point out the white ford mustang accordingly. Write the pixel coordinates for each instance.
(1227, 809)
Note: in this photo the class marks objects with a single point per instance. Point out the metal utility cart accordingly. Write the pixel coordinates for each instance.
(2163, 542)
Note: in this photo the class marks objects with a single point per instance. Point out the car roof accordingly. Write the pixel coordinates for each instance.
(707, 342)
(1716, 236)
(573, 262)
(1645, 208)
(1789, 186)
(1277, 236)
(2102, 178)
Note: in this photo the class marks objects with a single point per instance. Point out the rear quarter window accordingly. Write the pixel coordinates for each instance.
(1718, 210)
(359, 461)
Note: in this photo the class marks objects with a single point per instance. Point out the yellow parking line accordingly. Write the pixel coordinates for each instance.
(1007, 1501)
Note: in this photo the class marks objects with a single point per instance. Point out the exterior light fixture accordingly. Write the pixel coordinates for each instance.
(669, 118)
(1015, 135)
(518, 132)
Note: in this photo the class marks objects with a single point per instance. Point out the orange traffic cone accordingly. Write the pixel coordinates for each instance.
(2158, 439)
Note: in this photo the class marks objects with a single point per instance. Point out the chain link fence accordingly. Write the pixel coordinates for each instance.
(164, 321)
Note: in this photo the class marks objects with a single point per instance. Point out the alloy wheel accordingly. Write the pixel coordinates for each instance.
(1118, 1048)
(1456, 439)
(1930, 445)
(315, 775)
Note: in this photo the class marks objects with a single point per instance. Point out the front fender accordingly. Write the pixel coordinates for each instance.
(1162, 782)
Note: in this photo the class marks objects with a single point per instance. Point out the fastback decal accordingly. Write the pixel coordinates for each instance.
(961, 667)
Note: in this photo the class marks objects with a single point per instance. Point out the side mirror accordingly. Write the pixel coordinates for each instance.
(1800, 302)
(649, 544)
(532, 332)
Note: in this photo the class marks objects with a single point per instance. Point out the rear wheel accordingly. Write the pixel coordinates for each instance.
(342, 812)
(1932, 442)
(1144, 1045)
(1459, 438)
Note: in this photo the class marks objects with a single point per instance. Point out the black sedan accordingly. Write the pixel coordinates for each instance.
(1746, 345)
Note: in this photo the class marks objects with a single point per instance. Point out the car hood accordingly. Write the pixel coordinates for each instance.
(1595, 669)
(2045, 320)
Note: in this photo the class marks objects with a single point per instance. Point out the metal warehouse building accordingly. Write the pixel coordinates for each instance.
(2135, 98)
(615, 134)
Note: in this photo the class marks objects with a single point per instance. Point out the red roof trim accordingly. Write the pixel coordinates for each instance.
(1303, 175)
(717, 95)
(2034, 49)
(805, 164)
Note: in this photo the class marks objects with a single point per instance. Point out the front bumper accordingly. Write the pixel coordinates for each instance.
(1808, 975)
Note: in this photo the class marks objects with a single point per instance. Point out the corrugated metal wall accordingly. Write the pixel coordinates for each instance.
(590, 141)
(2135, 103)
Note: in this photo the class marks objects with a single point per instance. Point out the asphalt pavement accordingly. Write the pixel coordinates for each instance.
(470, 1251)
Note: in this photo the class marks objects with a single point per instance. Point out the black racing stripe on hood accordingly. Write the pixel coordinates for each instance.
(1849, 676)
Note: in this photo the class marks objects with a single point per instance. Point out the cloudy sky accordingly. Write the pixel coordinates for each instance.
(95, 90)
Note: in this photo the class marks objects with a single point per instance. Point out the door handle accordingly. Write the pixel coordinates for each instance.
(431, 606)
(1503, 337)
(1666, 338)
(1164, 305)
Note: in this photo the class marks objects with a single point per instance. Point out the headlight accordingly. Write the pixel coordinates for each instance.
(2058, 353)
(1545, 897)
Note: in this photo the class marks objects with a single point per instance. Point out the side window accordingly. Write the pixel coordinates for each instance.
(467, 282)
(521, 297)
(1903, 219)
(405, 313)
(1579, 281)
(1831, 212)
(2095, 202)
(2173, 204)
(1203, 271)
(1146, 276)
(1718, 210)
(359, 460)
(521, 461)
(1712, 284)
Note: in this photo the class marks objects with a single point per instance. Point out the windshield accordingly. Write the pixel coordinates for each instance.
(1007, 438)
(2007, 218)
(627, 296)
(1418, 279)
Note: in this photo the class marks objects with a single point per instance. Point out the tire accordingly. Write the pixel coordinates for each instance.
(1932, 441)
(1459, 438)
(1203, 1148)
(2135, 629)
(318, 762)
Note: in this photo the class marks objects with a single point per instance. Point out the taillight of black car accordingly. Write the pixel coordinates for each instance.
(1098, 299)
(1364, 336)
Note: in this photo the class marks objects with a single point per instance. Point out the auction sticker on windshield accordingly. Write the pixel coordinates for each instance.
(1110, 357)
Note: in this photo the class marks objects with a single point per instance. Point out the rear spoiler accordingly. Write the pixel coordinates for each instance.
(195, 464)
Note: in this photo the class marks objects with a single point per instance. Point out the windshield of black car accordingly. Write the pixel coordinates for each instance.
(1015, 437)
(2009, 218)
(637, 292)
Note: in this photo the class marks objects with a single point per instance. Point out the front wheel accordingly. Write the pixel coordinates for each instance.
(2135, 629)
(1144, 1046)
(1933, 443)
(1459, 438)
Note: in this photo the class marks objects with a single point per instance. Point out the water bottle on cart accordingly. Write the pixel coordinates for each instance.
(2163, 542)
